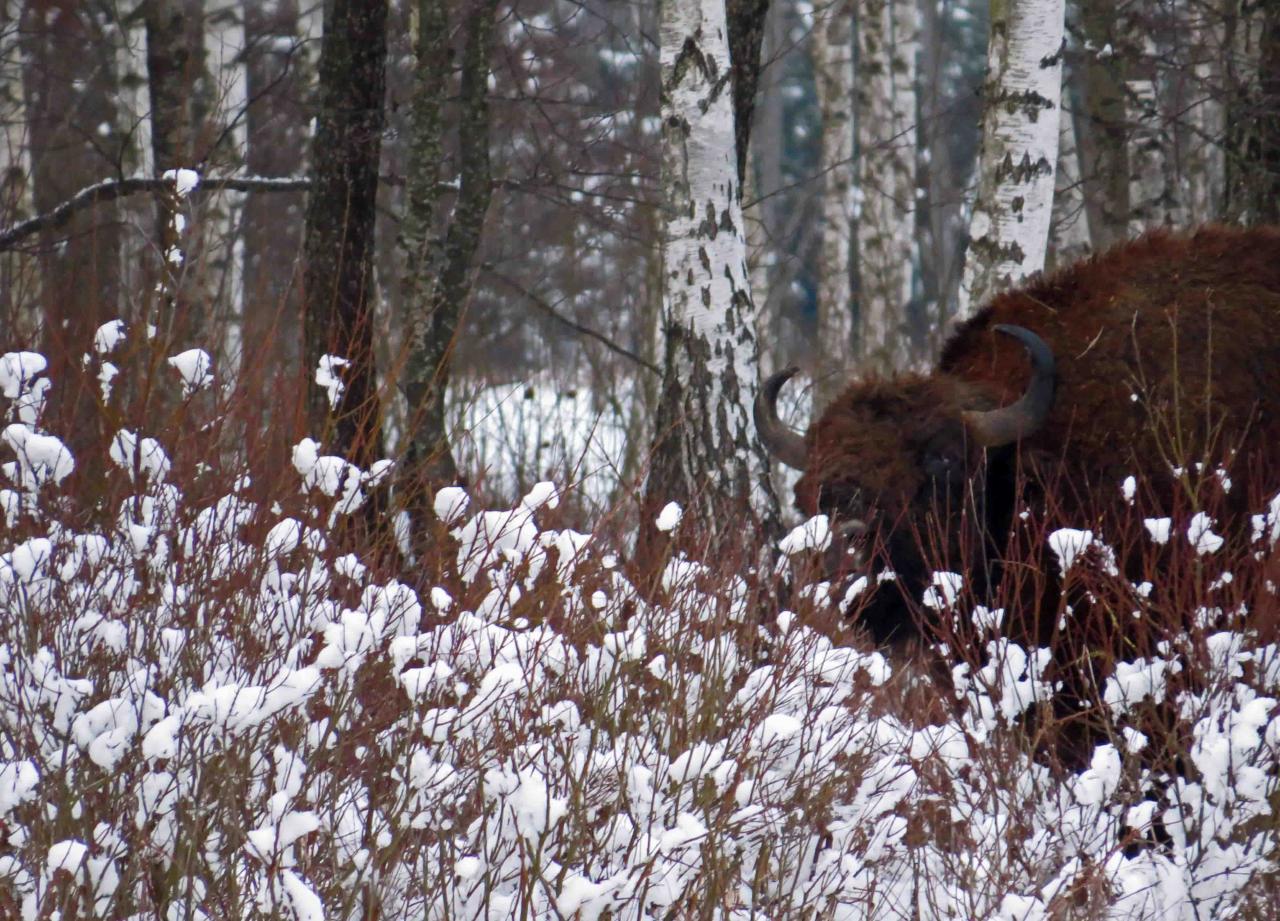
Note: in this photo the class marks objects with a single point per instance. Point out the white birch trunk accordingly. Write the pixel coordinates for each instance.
(224, 48)
(1069, 231)
(1205, 162)
(1009, 231)
(708, 455)
(832, 39)
(134, 104)
(888, 39)
(1152, 202)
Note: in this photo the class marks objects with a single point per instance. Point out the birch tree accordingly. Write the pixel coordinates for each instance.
(1103, 129)
(440, 270)
(706, 455)
(832, 43)
(888, 37)
(1009, 230)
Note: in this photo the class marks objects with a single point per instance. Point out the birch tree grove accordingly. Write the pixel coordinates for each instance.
(833, 77)
(1009, 230)
(886, 75)
(705, 455)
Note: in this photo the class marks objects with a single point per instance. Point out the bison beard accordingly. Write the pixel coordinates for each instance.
(1165, 352)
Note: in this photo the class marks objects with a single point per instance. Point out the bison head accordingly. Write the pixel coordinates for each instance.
(915, 473)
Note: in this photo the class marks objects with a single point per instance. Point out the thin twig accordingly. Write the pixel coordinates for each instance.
(551, 311)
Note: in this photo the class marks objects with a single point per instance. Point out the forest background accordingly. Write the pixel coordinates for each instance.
(512, 248)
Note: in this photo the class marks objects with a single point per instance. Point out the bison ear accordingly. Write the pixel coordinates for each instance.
(1026, 416)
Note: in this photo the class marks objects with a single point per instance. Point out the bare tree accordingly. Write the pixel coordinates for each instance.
(1103, 127)
(1069, 228)
(1009, 231)
(888, 38)
(705, 455)
(276, 129)
(832, 46)
(338, 280)
(440, 272)
(1253, 138)
(70, 91)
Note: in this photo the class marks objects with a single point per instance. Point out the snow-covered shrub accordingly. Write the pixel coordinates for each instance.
(212, 708)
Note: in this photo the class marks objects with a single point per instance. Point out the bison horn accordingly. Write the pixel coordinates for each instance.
(1025, 417)
(784, 444)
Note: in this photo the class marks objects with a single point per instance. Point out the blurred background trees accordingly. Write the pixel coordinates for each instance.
(511, 229)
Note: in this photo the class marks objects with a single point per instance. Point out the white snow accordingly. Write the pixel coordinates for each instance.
(669, 518)
(108, 337)
(329, 379)
(195, 367)
(184, 180)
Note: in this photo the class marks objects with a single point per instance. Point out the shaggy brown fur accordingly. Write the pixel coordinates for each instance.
(1168, 354)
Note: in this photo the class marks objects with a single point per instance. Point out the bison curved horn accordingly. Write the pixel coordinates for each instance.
(1026, 416)
(784, 444)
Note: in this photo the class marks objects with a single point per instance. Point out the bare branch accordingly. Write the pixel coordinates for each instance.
(113, 189)
(577, 327)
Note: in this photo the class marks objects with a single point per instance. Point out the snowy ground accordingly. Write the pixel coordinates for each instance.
(208, 711)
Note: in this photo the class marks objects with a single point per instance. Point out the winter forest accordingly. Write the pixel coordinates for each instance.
(403, 515)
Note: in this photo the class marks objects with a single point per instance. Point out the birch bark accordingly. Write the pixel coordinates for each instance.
(1009, 230)
(832, 40)
(706, 455)
(888, 38)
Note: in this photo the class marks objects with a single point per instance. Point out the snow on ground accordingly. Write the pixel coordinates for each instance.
(198, 724)
(515, 434)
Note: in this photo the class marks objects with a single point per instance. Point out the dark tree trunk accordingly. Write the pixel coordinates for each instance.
(1253, 116)
(440, 277)
(747, 19)
(277, 130)
(70, 92)
(338, 252)
(169, 80)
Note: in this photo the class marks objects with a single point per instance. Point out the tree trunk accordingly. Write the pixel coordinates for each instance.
(338, 279)
(832, 43)
(70, 83)
(1009, 231)
(706, 455)
(19, 272)
(276, 131)
(1153, 194)
(439, 278)
(1103, 131)
(746, 20)
(223, 143)
(761, 209)
(888, 37)
(1069, 228)
(1253, 135)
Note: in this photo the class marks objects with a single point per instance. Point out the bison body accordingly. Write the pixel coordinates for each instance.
(1155, 357)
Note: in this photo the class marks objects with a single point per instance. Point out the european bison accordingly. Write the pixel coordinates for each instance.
(1162, 353)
